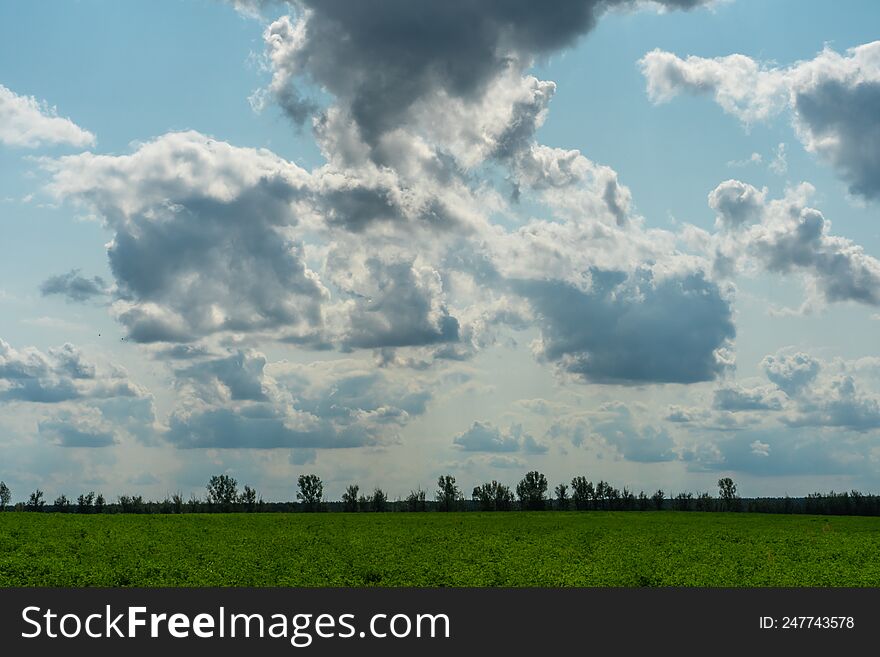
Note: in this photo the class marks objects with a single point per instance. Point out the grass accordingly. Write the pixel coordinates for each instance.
(439, 549)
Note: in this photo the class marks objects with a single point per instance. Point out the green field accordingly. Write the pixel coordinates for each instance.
(439, 549)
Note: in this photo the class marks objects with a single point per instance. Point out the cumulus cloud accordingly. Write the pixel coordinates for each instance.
(834, 101)
(485, 437)
(87, 405)
(788, 236)
(203, 239)
(74, 287)
(242, 401)
(633, 330)
(28, 123)
(737, 398)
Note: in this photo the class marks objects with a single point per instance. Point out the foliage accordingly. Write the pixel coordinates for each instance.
(493, 496)
(532, 491)
(415, 501)
(311, 492)
(350, 498)
(448, 495)
(222, 491)
(379, 501)
(5, 495)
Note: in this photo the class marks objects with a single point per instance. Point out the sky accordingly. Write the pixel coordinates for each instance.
(386, 241)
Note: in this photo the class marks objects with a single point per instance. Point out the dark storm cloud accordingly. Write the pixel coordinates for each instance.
(381, 57)
(74, 287)
(633, 331)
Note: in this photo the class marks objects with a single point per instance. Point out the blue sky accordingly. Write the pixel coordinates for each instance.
(269, 238)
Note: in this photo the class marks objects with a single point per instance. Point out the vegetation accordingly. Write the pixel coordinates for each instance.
(439, 549)
(531, 495)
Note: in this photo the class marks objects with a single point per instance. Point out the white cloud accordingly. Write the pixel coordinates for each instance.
(28, 123)
(833, 100)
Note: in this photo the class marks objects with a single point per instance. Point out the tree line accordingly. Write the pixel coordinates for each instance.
(530, 494)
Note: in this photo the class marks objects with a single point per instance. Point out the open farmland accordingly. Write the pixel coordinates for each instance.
(439, 549)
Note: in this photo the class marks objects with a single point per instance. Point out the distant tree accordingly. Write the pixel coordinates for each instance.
(177, 502)
(84, 502)
(35, 501)
(311, 492)
(222, 491)
(415, 501)
(682, 501)
(581, 493)
(493, 496)
(248, 498)
(643, 501)
(627, 499)
(99, 503)
(612, 497)
(193, 503)
(350, 498)
(448, 495)
(5, 495)
(727, 493)
(599, 494)
(658, 498)
(365, 503)
(532, 491)
(562, 499)
(62, 504)
(379, 501)
(704, 502)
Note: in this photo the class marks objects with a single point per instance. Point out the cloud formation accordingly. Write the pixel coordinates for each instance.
(74, 286)
(485, 437)
(787, 235)
(834, 101)
(26, 122)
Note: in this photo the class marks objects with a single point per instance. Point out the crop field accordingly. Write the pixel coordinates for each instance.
(439, 549)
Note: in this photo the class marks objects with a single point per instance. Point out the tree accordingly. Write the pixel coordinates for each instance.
(704, 502)
(448, 495)
(582, 493)
(415, 501)
(62, 504)
(350, 498)
(99, 503)
(248, 498)
(658, 498)
(222, 491)
(311, 492)
(493, 496)
(379, 501)
(727, 493)
(628, 499)
(683, 502)
(562, 499)
(35, 501)
(84, 502)
(5, 495)
(532, 491)
(643, 501)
